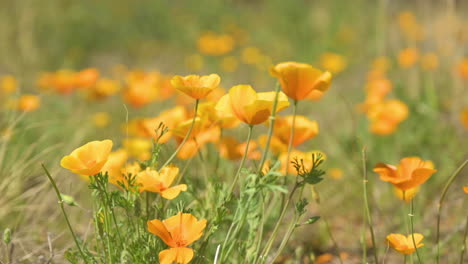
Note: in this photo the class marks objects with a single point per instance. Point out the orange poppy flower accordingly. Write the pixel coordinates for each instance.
(247, 105)
(464, 117)
(408, 57)
(462, 68)
(386, 116)
(178, 232)
(87, 78)
(207, 111)
(138, 147)
(304, 129)
(170, 118)
(213, 44)
(298, 80)
(333, 62)
(410, 173)
(8, 84)
(28, 103)
(160, 182)
(277, 146)
(405, 244)
(231, 149)
(104, 88)
(465, 189)
(202, 133)
(89, 158)
(196, 86)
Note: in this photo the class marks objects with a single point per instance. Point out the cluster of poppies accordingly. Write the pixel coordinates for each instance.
(242, 104)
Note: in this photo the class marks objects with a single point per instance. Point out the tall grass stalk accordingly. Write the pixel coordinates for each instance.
(270, 128)
(441, 201)
(59, 196)
(189, 132)
(366, 204)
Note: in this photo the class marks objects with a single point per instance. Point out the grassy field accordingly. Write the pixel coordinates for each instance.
(364, 137)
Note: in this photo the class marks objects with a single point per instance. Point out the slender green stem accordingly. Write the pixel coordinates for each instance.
(412, 230)
(260, 231)
(366, 204)
(270, 129)
(441, 201)
(290, 230)
(405, 258)
(244, 157)
(186, 136)
(278, 223)
(291, 136)
(462, 252)
(59, 196)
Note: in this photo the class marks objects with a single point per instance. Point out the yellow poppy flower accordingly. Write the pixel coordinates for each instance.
(298, 80)
(196, 86)
(160, 182)
(405, 244)
(247, 105)
(88, 159)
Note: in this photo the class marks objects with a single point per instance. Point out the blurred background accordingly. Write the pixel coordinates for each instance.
(419, 48)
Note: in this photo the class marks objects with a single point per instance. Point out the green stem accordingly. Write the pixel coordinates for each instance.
(244, 157)
(59, 196)
(412, 230)
(366, 204)
(278, 223)
(441, 201)
(462, 253)
(290, 230)
(270, 129)
(185, 138)
(291, 136)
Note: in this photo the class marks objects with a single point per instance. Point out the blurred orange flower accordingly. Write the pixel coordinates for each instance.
(408, 57)
(464, 117)
(386, 116)
(213, 44)
(304, 129)
(333, 62)
(196, 86)
(305, 157)
(231, 149)
(249, 106)
(87, 78)
(171, 118)
(88, 159)
(28, 103)
(178, 232)
(462, 68)
(405, 244)
(298, 80)
(8, 84)
(410, 173)
(114, 165)
(160, 182)
(430, 61)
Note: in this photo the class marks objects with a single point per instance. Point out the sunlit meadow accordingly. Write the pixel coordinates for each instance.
(241, 131)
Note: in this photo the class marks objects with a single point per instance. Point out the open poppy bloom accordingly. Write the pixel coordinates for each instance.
(196, 86)
(304, 129)
(88, 159)
(406, 195)
(298, 80)
(403, 244)
(160, 182)
(410, 173)
(247, 105)
(170, 118)
(177, 232)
